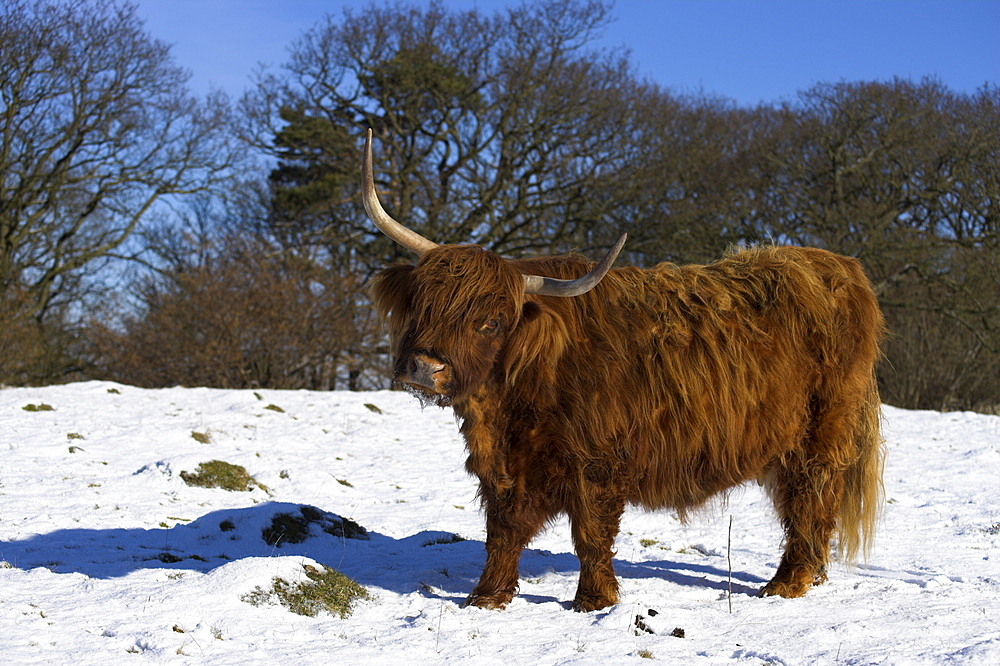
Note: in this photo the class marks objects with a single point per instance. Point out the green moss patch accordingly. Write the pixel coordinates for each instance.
(219, 474)
(326, 590)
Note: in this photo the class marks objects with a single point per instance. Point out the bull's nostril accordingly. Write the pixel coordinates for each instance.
(424, 371)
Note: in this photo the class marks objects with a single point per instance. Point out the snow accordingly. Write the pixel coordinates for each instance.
(108, 556)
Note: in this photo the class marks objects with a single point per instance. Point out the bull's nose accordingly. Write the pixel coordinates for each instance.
(424, 371)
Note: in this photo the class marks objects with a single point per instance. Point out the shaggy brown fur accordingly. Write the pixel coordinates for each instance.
(660, 388)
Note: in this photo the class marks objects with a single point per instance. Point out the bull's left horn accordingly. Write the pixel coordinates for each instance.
(411, 240)
(545, 286)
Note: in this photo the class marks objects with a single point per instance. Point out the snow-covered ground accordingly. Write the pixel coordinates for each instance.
(107, 556)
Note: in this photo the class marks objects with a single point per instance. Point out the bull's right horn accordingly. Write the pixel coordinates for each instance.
(546, 286)
(411, 240)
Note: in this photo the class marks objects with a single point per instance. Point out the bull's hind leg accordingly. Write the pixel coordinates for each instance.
(595, 526)
(807, 487)
(806, 495)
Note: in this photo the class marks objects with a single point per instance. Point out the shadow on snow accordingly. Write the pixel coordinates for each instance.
(436, 564)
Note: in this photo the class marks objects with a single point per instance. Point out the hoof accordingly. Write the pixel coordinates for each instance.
(487, 601)
(795, 585)
(587, 604)
(784, 589)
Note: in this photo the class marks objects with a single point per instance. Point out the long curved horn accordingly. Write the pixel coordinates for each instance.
(545, 286)
(411, 240)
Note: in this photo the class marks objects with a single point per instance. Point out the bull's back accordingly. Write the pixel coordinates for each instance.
(699, 376)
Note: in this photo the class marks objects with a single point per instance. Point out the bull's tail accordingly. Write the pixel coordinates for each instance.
(863, 496)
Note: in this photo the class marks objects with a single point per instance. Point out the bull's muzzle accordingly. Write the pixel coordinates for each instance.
(424, 372)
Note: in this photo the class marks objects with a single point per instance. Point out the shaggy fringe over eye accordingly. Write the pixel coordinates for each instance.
(390, 291)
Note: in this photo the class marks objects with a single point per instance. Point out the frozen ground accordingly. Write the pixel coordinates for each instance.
(108, 557)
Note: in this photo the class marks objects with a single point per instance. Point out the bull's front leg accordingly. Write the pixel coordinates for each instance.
(511, 523)
(595, 525)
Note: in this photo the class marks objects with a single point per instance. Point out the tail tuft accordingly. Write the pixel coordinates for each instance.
(864, 492)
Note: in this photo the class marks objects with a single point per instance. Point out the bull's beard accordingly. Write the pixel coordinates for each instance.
(425, 397)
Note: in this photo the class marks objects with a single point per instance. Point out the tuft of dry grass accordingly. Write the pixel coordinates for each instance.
(220, 474)
(326, 590)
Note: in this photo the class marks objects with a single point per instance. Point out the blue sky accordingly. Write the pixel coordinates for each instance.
(747, 50)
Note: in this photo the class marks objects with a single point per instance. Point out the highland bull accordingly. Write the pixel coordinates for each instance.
(581, 389)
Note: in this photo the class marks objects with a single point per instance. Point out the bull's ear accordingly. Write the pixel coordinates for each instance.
(390, 291)
(530, 311)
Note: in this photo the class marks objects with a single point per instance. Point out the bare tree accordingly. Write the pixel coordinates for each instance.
(903, 175)
(96, 127)
(502, 129)
(231, 309)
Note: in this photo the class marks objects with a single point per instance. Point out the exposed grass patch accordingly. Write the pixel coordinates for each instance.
(345, 482)
(74, 435)
(201, 437)
(326, 590)
(275, 408)
(286, 528)
(646, 543)
(41, 407)
(696, 549)
(373, 408)
(219, 474)
(169, 558)
(347, 529)
(451, 538)
(296, 528)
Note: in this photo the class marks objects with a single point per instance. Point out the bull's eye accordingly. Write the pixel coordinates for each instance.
(490, 327)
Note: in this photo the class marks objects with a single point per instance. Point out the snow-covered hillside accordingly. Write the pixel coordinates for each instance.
(107, 556)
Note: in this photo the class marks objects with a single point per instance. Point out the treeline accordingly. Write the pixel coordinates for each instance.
(510, 130)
